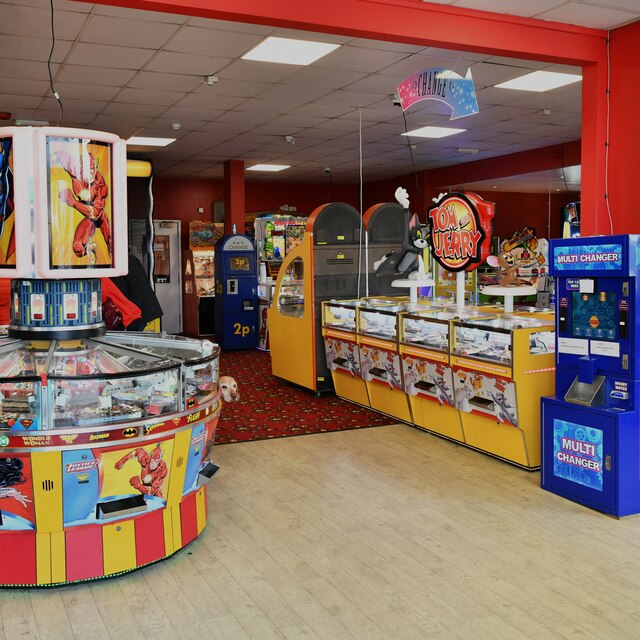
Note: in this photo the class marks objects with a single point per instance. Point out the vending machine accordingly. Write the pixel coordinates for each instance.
(590, 431)
(236, 299)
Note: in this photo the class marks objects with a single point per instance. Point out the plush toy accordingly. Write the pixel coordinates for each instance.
(407, 262)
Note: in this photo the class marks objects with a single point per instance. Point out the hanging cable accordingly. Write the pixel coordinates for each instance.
(413, 162)
(53, 44)
(606, 145)
(361, 234)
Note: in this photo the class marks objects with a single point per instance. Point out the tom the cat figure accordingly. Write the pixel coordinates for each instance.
(408, 261)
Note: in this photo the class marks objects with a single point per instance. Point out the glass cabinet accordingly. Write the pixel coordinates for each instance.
(97, 381)
(491, 339)
(291, 297)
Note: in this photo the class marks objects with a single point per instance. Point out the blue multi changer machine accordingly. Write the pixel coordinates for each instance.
(236, 300)
(590, 429)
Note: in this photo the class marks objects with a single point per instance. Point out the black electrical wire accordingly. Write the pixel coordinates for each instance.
(413, 162)
(53, 44)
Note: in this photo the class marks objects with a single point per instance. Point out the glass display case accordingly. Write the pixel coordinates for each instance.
(340, 315)
(291, 297)
(490, 339)
(87, 382)
(379, 319)
(427, 328)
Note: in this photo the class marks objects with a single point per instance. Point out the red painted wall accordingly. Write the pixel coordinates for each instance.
(179, 199)
(624, 168)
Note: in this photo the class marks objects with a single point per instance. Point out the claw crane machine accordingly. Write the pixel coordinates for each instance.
(105, 439)
(383, 225)
(325, 265)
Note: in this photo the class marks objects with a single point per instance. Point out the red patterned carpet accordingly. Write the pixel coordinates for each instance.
(271, 408)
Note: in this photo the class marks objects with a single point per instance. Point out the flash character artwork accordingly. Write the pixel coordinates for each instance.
(153, 471)
(6, 193)
(88, 195)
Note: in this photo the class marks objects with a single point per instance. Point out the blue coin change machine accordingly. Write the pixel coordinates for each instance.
(590, 430)
(236, 299)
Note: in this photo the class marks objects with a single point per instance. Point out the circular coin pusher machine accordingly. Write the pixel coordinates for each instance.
(236, 299)
(55, 259)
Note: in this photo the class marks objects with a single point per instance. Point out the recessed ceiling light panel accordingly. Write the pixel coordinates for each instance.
(540, 81)
(268, 167)
(149, 142)
(289, 51)
(433, 132)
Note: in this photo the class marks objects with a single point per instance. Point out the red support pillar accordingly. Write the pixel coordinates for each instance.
(234, 196)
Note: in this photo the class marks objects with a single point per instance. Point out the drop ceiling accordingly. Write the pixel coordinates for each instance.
(142, 73)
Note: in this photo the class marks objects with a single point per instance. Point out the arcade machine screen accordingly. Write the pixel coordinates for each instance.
(239, 264)
(593, 315)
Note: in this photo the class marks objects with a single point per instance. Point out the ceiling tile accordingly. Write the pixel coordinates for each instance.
(127, 33)
(320, 110)
(136, 14)
(24, 87)
(292, 93)
(293, 123)
(310, 35)
(400, 47)
(142, 110)
(210, 42)
(143, 96)
(349, 58)
(225, 25)
(210, 100)
(349, 99)
(100, 55)
(21, 20)
(78, 91)
(185, 63)
(26, 69)
(240, 89)
(18, 48)
(89, 75)
(269, 108)
(586, 15)
(329, 78)
(376, 84)
(526, 9)
(11, 102)
(250, 70)
(187, 114)
(153, 80)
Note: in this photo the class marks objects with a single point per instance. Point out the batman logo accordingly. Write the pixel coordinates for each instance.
(191, 402)
(130, 432)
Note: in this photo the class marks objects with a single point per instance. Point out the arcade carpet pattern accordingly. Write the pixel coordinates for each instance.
(272, 408)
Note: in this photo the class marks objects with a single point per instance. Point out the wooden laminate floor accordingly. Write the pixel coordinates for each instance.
(372, 534)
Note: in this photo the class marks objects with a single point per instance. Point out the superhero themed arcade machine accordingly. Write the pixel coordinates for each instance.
(104, 438)
(590, 431)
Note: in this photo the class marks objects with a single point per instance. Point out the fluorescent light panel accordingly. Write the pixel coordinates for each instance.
(289, 51)
(433, 132)
(149, 142)
(268, 167)
(540, 81)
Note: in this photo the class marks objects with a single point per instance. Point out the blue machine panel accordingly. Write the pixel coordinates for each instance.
(236, 299)
(590, 429)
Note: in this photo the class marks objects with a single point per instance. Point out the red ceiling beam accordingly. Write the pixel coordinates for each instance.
(410, 21)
